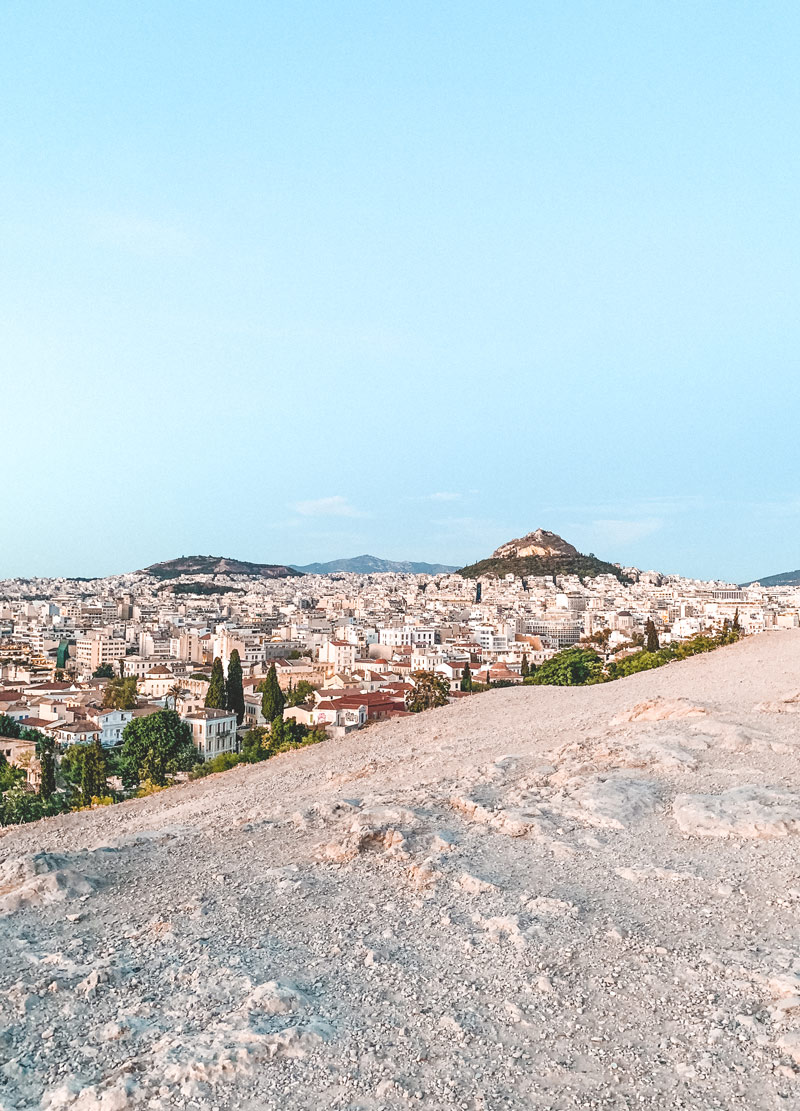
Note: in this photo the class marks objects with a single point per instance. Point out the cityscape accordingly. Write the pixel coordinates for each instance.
(503, 813)
(347, 646)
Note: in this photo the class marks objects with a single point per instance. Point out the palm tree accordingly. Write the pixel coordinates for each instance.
(175, 692)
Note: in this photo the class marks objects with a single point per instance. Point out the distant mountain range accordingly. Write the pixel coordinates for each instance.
(786, 578)
(372, 565)
(541, 553)
(217, 565)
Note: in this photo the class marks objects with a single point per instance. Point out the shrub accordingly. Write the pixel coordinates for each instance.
(222, 763)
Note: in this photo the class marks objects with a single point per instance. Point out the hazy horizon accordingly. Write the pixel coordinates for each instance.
(291, 282)
(244, 557)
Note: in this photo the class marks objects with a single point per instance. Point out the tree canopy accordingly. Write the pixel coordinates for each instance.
(272, 697)
(120, 694)
(430, 690)
(573, 667)
(234, 691)
(215, 695)
(156, 747)
(300, 693)
(650, 636)
(83, 766)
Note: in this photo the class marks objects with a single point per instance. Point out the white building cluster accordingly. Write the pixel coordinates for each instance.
(356, 639)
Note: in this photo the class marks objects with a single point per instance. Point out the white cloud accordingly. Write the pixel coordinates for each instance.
(334, 506)
(443, 495)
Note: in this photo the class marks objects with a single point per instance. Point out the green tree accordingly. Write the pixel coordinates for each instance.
(255, 745)
(215, 695)
(120, 694)
(277, 733)
(45, 750)
(272, 697)
(573, 667)
(99, 783)
(10, 776)
(430, 690)
(234, 691)
(222, 763)
(19, 805)
(735, 626)
(299, 694)
(104, 671)
(650, 636)
(9, 727)
(83, 768)
(156, 747)
(524, 668)
(47, 784)
(466, 678)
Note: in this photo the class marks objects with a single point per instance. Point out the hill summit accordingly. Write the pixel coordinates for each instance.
(541, 543)
(541, 553)
(216, 565)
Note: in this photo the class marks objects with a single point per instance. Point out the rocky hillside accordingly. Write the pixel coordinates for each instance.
(541, 553)
(538, 898)
(216, 565)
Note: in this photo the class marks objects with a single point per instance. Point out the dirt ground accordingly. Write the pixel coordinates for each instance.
(537, 898)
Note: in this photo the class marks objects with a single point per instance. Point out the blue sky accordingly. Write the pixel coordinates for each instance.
(292, 282)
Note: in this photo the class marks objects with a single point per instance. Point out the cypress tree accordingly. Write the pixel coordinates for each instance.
(651, 636)
(277, 733)
(234, 692)
(47, 761)
(100, 784)
(736, 627)
(272, 699)
(93, 773)
(215, 695)
(524, 669)
(466, 679)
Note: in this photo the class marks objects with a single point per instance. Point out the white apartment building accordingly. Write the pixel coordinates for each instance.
(136, 667)
(407, 636)
(249, 645)
(94, 650)
(575, 603)
(339, 655)
(490, 639)
(557, 634)
(213, 731)
(112, 723)
(154, 645)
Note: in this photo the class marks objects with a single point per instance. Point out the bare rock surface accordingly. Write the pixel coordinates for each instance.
(537, 898)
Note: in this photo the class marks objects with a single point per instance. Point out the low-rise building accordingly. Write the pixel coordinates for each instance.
(213, 731)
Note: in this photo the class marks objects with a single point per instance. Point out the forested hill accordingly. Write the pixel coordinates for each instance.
(217, 565)
(541, 553)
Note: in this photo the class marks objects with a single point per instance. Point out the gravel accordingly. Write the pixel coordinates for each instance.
(536, 898)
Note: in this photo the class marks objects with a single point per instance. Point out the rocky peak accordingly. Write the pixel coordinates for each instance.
(538, 543)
